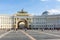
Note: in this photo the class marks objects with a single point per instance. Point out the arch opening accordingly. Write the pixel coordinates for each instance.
(22, 24)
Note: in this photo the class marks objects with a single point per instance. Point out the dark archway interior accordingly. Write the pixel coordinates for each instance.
(22, 26)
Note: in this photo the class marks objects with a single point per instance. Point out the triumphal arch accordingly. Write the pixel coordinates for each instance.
(22, 19)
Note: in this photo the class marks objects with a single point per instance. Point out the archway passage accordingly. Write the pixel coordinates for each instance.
(22, 24)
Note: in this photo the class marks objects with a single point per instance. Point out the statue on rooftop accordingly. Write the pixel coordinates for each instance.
(22, 11)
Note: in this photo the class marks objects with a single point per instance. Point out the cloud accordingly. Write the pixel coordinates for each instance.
(53, 11)
(43, 0)
(50, 0)
(58, 0)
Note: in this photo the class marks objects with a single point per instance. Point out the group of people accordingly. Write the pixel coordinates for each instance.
(20, 28)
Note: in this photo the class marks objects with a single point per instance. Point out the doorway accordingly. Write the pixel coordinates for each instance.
(22, 24)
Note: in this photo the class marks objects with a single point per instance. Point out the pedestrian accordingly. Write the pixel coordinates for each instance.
(25, 29)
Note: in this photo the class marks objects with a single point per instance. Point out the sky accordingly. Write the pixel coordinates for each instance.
(35, 7)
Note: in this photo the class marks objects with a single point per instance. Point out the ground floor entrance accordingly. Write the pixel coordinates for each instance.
(22, 24)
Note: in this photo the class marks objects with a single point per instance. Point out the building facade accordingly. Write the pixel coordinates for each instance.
(24, 20)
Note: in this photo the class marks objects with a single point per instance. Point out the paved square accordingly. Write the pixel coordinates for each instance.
(2, 31)
(31, 35)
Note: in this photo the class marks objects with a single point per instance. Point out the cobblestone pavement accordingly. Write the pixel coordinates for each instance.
(2, 31)
(31, 35)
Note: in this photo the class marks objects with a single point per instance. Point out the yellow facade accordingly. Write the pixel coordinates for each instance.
(18, 18)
